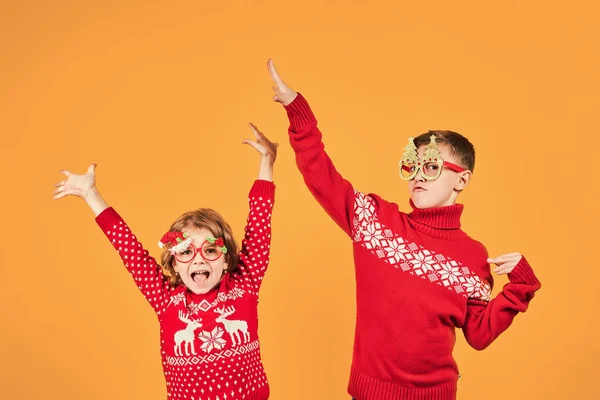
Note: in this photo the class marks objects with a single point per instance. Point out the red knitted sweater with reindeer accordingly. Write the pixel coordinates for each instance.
(209, 343)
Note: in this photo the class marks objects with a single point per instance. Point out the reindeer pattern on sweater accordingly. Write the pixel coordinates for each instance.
(210, 348)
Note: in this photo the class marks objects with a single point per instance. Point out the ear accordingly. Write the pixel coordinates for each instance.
(225, 267)
(463, 180)
(175, 266)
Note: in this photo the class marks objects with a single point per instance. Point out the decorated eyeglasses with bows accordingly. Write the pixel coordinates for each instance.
(184, 251)
(430, 166)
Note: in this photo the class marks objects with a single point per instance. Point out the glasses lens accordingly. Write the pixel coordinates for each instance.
(186, 255)
(210, 251)
(407, 169)
(431, 170)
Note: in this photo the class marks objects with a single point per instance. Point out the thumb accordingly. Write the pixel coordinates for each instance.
(253, 144)
(91, 169)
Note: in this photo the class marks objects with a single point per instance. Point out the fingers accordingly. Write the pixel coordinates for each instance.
(504, 258)
(274, 74)
(60, 183)
(91, 169)
(505, 263)
(255, 145)
(68, 174)
(257, 134)
(277, 94)
(260, 137)
(505, 269)
(60, 193)
(59, 196)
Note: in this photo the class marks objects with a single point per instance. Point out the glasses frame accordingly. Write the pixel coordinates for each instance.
(422, 164)
(195, 250)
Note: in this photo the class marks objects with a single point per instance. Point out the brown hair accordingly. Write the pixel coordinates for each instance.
(460, 147)
(214, 222)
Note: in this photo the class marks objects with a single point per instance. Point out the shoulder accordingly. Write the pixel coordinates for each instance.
(374, 201)
(479, 248)
(478, 255)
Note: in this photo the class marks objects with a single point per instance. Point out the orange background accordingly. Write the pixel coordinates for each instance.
(160, 93)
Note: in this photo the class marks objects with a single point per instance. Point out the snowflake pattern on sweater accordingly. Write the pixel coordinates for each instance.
(419, 277)
(410, 257)
(210, 348)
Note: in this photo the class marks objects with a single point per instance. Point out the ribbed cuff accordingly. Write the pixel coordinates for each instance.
(523, 273)
(108, 218)
(262, 188)
(299, 113)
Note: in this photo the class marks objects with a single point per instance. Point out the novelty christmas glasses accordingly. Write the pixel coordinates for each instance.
(184, 251)
(430, 166)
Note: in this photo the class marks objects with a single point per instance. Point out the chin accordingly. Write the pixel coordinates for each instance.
(199, 290)
(420, 202)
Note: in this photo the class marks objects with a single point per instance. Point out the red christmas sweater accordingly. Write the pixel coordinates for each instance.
(418, 278)
(209, 343)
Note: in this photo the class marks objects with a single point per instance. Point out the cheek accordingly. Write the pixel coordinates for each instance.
(447, 185)
(176, 267)
(438, 187)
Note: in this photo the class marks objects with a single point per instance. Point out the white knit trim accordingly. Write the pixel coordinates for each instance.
(181, 246)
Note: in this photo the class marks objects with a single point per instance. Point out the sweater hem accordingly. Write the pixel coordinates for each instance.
(364, 387)
(261, 394)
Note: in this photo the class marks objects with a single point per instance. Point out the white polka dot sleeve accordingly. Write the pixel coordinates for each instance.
(144, 269)
(254, 256)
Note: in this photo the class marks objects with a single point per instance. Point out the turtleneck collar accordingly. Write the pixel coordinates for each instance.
(438, 218)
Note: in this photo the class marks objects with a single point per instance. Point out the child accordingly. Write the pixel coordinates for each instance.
(206, 294)
(418, 275)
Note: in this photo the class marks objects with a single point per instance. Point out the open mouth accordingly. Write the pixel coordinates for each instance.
(200, 276)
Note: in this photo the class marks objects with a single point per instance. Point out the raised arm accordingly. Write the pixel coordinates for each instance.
(144, 269)
(254, 255)
(256, 245)
(334, 193)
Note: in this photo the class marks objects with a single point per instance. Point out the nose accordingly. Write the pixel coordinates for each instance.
(419, 176)
(198, 259)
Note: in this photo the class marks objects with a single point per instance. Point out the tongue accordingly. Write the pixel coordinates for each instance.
(201, 277)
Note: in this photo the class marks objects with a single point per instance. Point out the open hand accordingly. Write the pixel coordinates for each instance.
(283, 93)
(505, 263)
(76, 185)
(266, 148)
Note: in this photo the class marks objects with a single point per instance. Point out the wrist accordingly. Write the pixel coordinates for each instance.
(91, 195)
(265, 171)
(267, 161)
(95, 201)
(290, 99)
